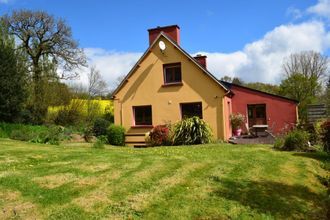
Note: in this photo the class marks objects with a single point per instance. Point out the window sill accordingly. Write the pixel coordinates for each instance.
(142, 126)
(172, 84)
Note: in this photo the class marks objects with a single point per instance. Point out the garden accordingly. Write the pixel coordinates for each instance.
(210, 181)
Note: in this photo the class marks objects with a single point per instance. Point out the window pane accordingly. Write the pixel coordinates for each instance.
(172, 73)
(260, 112)
(142, 115)
(191, 109)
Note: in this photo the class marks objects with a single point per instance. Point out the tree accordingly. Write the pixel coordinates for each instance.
(310, 64)
(45, 40)
(305, 73)
(96, 84)
(265, 87)
(296, 86)
(327, 97)
(96, 87)
(226, 79)
(12, 78)
(238, 81)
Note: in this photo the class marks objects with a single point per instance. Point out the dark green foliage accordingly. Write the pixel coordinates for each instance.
(314, 131)
(327, 97)
(326, 136)
(23, 135)
(160, 135)
(36, 134)
(108, 115)
(116, 135)
(279, 142)
(265, 87)
(192, 131)
(88, 133)
(58, 93)
(296, 140)
(52, 136)
(301, 88)
(8, 128)
(70, 114)
(100, 126)
(12, 79)
(101, 140)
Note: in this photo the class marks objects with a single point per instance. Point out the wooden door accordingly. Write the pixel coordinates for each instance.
(257, 114)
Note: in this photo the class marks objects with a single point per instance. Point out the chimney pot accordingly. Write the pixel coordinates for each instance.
(201, 60)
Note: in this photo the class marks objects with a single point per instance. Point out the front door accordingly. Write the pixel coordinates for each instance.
(257, 114)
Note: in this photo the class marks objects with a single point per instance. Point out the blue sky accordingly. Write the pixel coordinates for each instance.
(242, 38)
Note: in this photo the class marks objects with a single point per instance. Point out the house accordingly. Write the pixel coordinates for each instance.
(167, 84)
(261, 108)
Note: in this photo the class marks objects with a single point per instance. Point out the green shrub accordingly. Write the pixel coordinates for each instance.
(279, 143)
(70, 114)
(7, 128)
(296, 140)
(109, 117)
(101, 140)
(52, 136)
(3, 134)
(192, 131)
(100, 127)
(116, 135)
(315, 132)
(326, 136)
(22, 134)
(88, 133)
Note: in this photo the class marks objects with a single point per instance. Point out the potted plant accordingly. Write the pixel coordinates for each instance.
(236, 121)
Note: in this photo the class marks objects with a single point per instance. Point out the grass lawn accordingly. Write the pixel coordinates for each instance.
(217, 181)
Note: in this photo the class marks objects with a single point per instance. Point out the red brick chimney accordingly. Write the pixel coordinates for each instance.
(172, 31)
(201, 60)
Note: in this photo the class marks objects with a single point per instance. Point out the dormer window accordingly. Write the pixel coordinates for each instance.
(172, 73)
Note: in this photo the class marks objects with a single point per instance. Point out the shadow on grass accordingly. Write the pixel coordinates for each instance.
(278, 199)
(320, 156)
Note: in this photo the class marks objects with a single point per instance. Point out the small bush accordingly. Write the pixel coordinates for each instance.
(116, 135)
(296, 140)
(8, 128)
(22, 134)
(108, 114)
(326, 136)
(192, 131)
(88, 133)
(314, 131)
(52, 136)
(100, 127)
(279, 143)
(3, 134)
(70, 114)
(160, 135)
(101, 140)
(236, 120)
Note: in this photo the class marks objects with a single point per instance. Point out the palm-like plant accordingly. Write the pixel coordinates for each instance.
(192, 131)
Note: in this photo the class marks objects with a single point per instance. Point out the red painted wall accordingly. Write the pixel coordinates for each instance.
(280, 112)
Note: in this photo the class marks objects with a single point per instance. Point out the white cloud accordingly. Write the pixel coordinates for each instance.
(262, 60)
(322, 8)
(111, 64)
